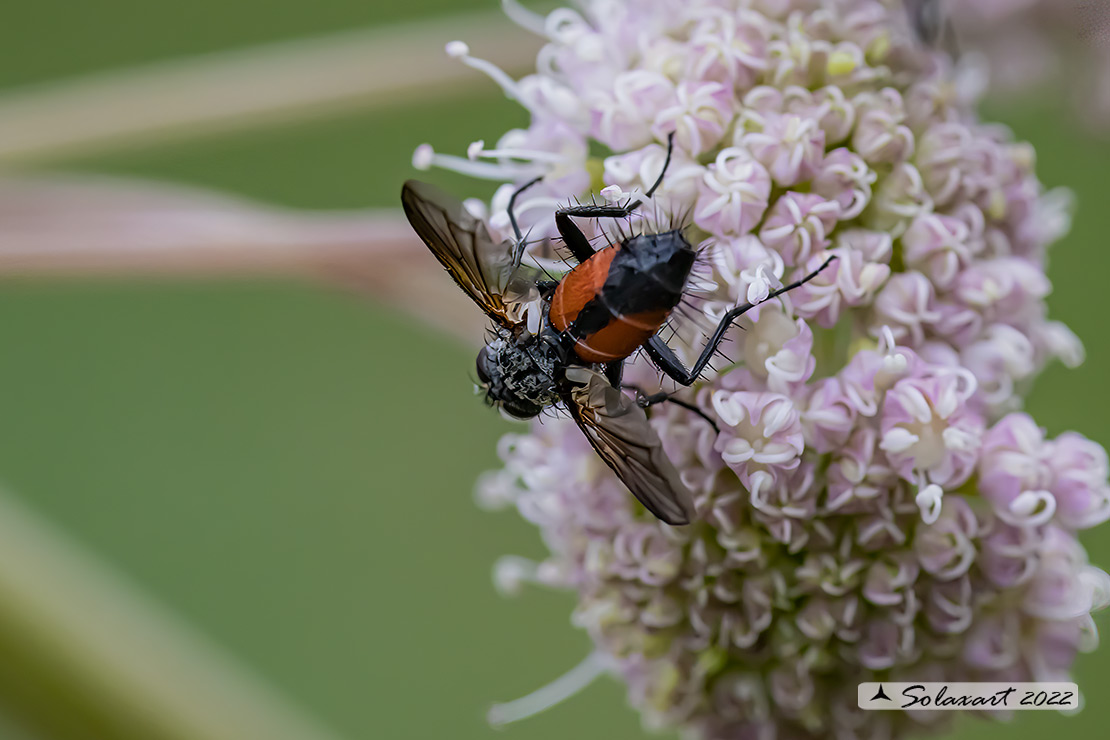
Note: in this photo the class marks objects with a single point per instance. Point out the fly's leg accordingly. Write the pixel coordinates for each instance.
(518, 247)
(647, 400)
(614, 371)
(573, 237)
(667, 361)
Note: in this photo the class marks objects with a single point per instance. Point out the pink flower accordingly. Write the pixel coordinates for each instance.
(880, 134)
(760, 431)
(929, 429)
(939, 246)
(698, 116)
(850, 281)
(733, 194)
(908, 306)
(796, 226)
(845, 178)
(730, 48)
(622, 118)
(862, 511)
(1028, 478)
(791, 147)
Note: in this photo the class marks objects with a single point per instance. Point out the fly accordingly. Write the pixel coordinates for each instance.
(612, 303)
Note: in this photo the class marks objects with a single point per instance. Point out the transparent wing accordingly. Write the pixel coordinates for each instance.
(462, 244)
(619, 431)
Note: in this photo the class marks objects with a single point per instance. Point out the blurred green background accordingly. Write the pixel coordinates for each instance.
(290, 468)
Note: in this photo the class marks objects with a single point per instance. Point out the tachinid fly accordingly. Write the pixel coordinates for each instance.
(612, 303)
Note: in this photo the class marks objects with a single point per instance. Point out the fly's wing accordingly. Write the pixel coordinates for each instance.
(619, 431)
(462, 244)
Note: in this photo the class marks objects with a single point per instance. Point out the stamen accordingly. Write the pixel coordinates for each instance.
(425, 157)
(456, 49)
(556, 692)
(928, 500)
(476, 208)
(527, 19)
(612, 193)
(511, 572)
(459, 50)
(760, 287)
(1033, 507)
(886, 340)
(477, 149)
(894, 362)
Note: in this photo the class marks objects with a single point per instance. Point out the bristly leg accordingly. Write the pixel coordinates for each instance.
(667, 361)
(518, 247)
(573, 237)
(646, 400)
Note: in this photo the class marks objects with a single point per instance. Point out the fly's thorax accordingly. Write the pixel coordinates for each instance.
(649, 273)
(518, 369)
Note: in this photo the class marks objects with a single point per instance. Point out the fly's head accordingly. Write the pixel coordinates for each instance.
(517, 372)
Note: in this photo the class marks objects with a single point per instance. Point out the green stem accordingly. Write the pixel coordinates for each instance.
(273, 83)
(84, 655)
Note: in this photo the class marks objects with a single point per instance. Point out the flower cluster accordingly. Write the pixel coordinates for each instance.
(874, 506)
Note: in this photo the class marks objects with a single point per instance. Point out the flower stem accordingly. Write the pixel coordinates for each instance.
(266, 84)
(85, 655)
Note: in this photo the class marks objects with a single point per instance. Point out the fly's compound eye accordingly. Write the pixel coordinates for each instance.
(521, 409)
(482, 365)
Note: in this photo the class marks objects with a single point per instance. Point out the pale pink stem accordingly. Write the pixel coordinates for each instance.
(88, 226)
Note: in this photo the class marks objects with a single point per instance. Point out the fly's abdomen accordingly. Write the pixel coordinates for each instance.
(584, 304)
(580, 286)
(619, 338)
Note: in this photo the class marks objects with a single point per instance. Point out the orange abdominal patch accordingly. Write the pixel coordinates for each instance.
(622, 335)
(579, 287)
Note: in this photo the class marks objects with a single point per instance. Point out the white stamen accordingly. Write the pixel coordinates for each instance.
(511, 572)
(612, 193)
(496, 490)
(475, 149)
(759, 288)
(535, 155)
(456, 49)
(526, 19)
(425, 157)
(1033, 507)
(459, 50)
(958, 440)
(928, 500)
(897, 440)
(559, 690)
(895, 364)
(476, 208)
(887, 344)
